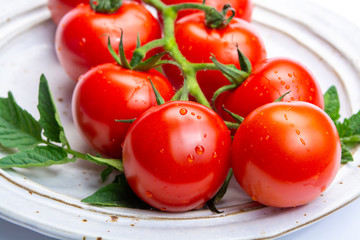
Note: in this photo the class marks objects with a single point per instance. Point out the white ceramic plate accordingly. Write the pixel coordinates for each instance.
(47, 200)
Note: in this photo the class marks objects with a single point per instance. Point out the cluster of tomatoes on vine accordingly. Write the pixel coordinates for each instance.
(177, 152)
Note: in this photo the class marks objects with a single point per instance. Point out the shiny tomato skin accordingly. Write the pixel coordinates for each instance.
(269, 80)
(58, 8)
(243, 8)
(197, 43)
(286, 154)
(82, 35)
(176, 156)
(107, 93)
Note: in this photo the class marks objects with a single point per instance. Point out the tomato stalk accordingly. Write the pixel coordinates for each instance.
(169, 13)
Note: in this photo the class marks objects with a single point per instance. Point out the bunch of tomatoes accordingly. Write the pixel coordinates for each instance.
(171, 127)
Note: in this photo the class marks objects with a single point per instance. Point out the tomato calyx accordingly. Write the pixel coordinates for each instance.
(235, 76)
(217, 20)
(105, 6)
(137, 62)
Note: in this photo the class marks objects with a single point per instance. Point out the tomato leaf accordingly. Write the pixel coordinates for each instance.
(18, 129)
(106, 173)
(49, 117)
(346, 155)
(332, 103)
(116, 194)
(39, 156)
(115, 163)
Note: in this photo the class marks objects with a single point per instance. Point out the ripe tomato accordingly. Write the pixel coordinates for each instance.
(286, 154)
(243, 8)
(270, 80)
(107, 93)
(197, 43)
(81, 37)
(176, 155)
(58, 8)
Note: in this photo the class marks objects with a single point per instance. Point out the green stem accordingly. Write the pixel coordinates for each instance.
(139, 53)
(182, 6)
(204, 66)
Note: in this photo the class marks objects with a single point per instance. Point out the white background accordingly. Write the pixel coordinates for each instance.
(342, 224)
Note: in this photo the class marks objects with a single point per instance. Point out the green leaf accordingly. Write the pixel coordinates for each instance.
(351, 141)
(220, 194)
(346, 155)
(149, 63)
(116, 194)
(106, 173)
(234, 75)
(115, 163)
(39, 156)
(159, 99)
(282, 97)
(49, 117)
(18, 129)
(332, 103)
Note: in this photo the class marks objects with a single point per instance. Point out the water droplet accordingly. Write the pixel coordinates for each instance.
(148, 194)
(199, 149)
(183, 111)
(190, 158)
(302, 141)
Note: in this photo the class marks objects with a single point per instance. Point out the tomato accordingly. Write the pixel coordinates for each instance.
(197, 43)
(243, 8)
(107, 93)
(286, 154)
(270, 80)
(58, 8)
(176, 155)
(82, 35)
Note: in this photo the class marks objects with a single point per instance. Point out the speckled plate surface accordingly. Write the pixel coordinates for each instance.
(48, 199)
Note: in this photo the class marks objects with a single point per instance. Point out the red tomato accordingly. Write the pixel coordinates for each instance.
(197, 43)
(286, 154)
(58, 8)
(176, 155)
(270, 80)
(82, 35)
(107, 93)
(243, 8)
